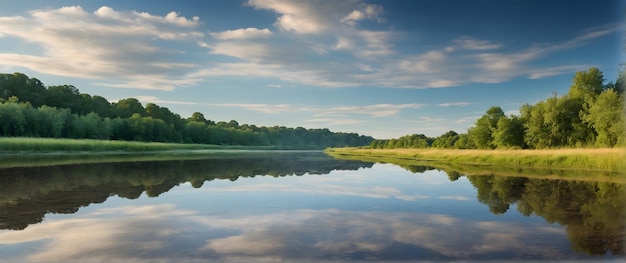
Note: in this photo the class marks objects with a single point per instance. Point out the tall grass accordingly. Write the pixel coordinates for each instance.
(30, 145)
(606, 159)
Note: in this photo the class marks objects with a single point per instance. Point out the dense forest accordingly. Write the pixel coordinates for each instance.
(591, 114)
(30, 109)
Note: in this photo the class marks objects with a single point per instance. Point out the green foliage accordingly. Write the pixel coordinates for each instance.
(408, 141)
(20, 86)
(482, 132)
(509, 133)
(63, 112)
(590, 114)
(447, 140)
(606, 117)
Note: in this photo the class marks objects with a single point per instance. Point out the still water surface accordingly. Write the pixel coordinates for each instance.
(298, 207)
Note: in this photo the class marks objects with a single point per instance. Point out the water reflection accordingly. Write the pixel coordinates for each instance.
(154, 233)
(28, 194)
(381, 213)
(592, 212)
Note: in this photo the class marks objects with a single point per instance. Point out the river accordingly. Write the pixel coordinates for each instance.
(249, 206)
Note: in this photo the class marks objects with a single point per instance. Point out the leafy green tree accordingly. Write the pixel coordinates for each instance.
(64, 96)
(101, 106)
(54, 121)
(446, 140)
(606, 117)
(463, 142)
(90, 126)
(587, 83)
(481, 133)
(509, 133)
(26, 89)
(12, 121)
(125, 108)
(199, 117)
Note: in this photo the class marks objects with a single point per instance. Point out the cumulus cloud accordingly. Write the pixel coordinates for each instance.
(368, 11)
(317, 43)
(104, 43)
(245, 33)
(317, 16)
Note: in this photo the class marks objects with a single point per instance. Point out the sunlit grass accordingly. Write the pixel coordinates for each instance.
(609, 159)
(29, 145)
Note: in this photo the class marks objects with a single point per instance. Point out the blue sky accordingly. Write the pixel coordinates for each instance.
(379, 68)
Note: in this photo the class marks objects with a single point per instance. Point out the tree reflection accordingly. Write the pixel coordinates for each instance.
(28, 194)
(592, 212)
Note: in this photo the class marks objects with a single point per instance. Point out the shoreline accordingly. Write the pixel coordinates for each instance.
(602, 159)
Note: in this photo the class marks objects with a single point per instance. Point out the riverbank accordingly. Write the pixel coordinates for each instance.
(44, 145)
(605, 159)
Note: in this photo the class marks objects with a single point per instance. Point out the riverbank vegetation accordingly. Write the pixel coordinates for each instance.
(30, 109)
(591, 114)
(604, 159)
(47, 145)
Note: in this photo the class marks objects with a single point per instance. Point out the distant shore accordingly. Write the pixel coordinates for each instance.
(605, 159)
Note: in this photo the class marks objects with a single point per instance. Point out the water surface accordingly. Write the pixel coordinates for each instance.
(298, 207)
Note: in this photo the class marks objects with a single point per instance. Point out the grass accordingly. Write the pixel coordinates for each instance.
(414, 166)
(603, 159)
(12, 145)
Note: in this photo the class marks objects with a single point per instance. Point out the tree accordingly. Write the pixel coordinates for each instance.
(26, 89)
(587, 83)
(446, 140)
(64, 96)
(509, 133)
(606, 117)
(481, 133)
(199, 117)
(125, 108)
(12, 121)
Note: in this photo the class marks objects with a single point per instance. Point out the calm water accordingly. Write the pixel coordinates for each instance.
(299, 207)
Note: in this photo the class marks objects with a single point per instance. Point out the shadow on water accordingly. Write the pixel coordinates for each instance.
(27, 194)
(590, 205)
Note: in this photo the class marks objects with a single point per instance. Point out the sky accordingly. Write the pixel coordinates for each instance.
(378, 68)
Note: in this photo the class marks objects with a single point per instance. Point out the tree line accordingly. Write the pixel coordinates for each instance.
(591, 114)
(30, 109)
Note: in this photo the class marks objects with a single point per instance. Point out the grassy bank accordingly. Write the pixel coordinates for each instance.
(604, 159)
(41, 145)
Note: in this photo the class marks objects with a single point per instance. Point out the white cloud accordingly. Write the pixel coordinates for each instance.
(368, 12)
(375, 110)
(245, 33)
(319, 111)
(320, 44)
(106, 44)
(474, 44)
(449, 104)
(297, 16)
(555, 71)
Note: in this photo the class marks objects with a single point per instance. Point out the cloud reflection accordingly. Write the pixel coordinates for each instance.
(165, 233)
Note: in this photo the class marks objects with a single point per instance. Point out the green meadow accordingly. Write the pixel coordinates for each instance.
(600, 159)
